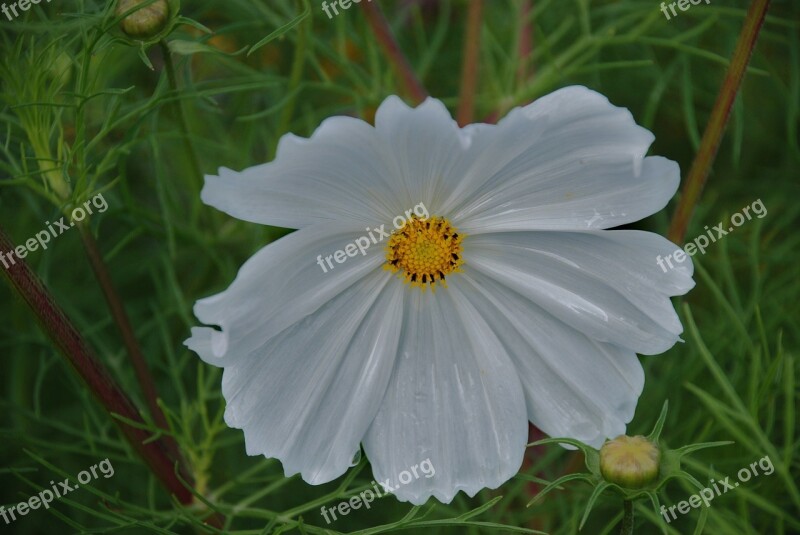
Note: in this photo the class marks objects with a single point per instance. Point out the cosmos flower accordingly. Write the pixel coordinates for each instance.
(506, 301)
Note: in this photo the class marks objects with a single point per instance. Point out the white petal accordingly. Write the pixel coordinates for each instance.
(337, 174)
(349, 171)
(277, 287)
(454, 400)
(576, 278)
(570, 161)
(427, 154)
(308, 396)
(574, 386)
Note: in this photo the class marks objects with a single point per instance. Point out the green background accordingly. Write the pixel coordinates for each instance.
(86, 107)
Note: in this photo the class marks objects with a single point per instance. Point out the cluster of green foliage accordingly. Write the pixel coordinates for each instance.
(84, 110)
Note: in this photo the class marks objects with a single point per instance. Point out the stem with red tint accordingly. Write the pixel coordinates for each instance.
(469, 68)
(383, 33)
(69, 341)
(709, 144)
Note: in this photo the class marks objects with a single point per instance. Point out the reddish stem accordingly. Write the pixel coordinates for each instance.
(469, 69)
(66, 337)
(709, 144)
(120, 316)
(525, 45)
(383, 33)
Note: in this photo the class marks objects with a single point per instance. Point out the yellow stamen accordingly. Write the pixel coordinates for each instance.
(425, 250)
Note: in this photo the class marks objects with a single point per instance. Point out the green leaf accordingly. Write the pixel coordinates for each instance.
(655, 434)
(283, 29)
(592, 499)
(188, 48)
(143, 56)
(557, 485)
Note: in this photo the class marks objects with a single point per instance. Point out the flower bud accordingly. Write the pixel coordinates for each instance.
(630, 462)
(146, 21)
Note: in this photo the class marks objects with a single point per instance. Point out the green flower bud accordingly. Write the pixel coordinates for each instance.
(634, 467)
(630, 462)
(146, 21)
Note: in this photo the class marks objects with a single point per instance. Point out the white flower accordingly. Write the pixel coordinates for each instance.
(541, 317)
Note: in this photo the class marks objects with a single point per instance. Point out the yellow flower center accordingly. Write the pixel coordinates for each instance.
(425, 250)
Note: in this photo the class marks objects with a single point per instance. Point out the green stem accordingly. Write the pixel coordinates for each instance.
(113, 300)
(194, 160)
(709, 144)
(627, 518)
(294, 77)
